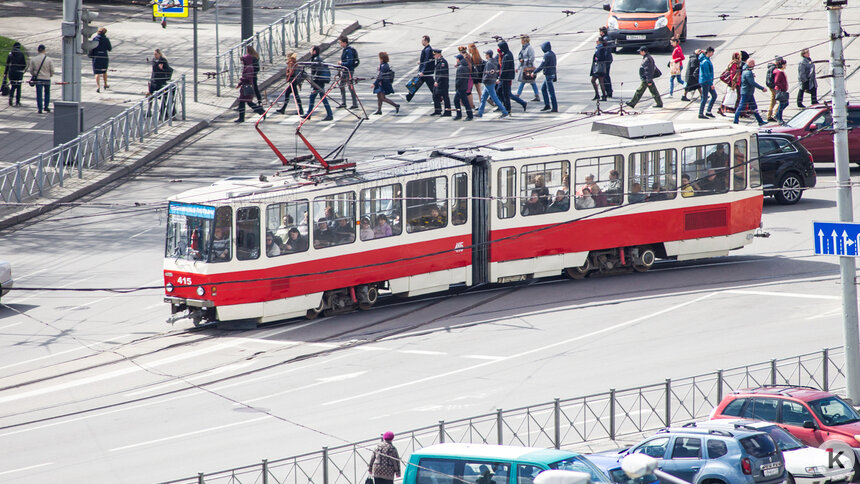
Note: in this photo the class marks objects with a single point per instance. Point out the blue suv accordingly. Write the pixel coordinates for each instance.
(703, 456)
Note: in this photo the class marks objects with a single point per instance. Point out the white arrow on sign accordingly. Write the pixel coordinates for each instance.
(835, 244)
(821, 247)
(847, 242)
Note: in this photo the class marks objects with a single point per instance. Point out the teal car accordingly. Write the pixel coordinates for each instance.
(491, 464)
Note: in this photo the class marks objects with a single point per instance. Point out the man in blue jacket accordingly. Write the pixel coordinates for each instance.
(426, 65)
(706, 81)
(348, 59)
(548, 67)
(748, 87)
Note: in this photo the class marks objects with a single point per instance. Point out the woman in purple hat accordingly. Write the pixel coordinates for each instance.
(384, 464)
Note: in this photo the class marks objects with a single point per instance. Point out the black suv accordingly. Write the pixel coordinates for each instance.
(786, 167)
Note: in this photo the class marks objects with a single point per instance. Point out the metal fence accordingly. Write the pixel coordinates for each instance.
(273, 41)
(560, 423)
(31, 178)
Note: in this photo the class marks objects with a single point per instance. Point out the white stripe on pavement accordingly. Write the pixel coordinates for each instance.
(187, 434)
(22, 469)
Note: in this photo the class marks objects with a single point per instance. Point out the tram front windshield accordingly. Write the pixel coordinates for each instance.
(189, 229)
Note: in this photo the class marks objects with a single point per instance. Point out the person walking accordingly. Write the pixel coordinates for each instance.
(748, 87)
(440, 85)
(610, 48)
(646, 74)
(16, 65)
(99, 54)
(384, 464)
(770, 83)
(806, 79)
(348, 59)
(246, 89)
(161, 72)
(477, 70)
(490, 80)
(383, 84)
(461, 88)
(294, 78)
(320, 76)
(527, 67)
(598, 69)
(506, 75)
(426, 65)
(41, 70)
(692, 84)
(467, 59)
(732, 78)
(676, 66)
(706, 82)
(780, 86)
(548, 67)
(255, 58)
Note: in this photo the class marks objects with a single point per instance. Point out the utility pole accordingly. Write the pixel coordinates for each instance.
(195, 50)
(247, 19)
(844, 202)
(71, 59)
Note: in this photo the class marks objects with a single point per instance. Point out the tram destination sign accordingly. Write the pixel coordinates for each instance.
(836, 238)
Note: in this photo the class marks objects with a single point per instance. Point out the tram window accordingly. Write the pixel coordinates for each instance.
(335, 220)
(248, 233)
(427, 204)
(598, 181)
(507, 203)
(189, 231)
(460, 209)
(222, 243)
(755, 168)
(708, 168)
(288, 224)
(651, 176)
(539, 186)
(381, 211)
(739, 167)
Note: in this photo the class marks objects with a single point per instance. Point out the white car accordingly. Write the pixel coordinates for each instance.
(806, 465)
(5, 277)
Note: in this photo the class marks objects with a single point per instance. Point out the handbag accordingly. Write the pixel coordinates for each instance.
(657, 73)
(730, 98)
(782, 96)
(4, 88)
(726, 76)
(32, 81)
(369, 480)
(529, 74)
(246, 91)
(412, 85)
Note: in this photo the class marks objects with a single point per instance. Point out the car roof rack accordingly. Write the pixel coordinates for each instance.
(780, 388)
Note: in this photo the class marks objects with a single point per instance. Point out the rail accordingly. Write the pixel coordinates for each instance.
(273, 40)
(32, 177)
(559, 423)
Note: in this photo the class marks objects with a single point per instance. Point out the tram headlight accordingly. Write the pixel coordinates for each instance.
(168, 287)
(200, 291)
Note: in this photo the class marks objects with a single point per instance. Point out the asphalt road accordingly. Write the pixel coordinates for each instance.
(96, 387)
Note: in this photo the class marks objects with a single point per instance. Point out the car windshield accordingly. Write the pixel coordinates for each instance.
(783, 439)
(833, 411)
(801, 119)
(641, 6)
(580, 464)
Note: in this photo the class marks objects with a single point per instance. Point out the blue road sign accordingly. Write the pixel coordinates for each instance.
(836, 238)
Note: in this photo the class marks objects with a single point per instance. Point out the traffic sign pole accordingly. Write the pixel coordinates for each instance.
(847, 267)
(195, 49)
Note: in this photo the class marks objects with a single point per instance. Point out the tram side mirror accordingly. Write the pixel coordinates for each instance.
(809, 424)
(812, 127)
(607, 7)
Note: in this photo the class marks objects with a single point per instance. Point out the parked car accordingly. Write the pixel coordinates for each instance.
(786, 167)
(812, 415)
(633, 23)
(610, 463)
(705, 456)
(458, 463)
(803, 464)
(814, 127)
(6, 281)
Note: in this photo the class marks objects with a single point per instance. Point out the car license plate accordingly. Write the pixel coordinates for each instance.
(771, 472)
(635, 37)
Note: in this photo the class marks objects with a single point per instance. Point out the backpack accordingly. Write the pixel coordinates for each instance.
(356, 61)
(770, 80)
(168, 72)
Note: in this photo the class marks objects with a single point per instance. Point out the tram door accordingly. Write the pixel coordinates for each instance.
(481, 193)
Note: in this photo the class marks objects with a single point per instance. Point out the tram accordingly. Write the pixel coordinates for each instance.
(306, 241)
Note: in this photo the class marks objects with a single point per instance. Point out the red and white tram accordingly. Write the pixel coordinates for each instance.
(300, 243)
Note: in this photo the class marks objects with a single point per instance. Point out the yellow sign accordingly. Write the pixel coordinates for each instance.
(170, 8)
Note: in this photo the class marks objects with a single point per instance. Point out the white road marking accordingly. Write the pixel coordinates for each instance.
(53, 355)
(140, 233)
(21, 469)
(206, 374)
(412, 117)
(590, 40)
(320, 381)
(455, 133)
(10, 325)
(151, 306)
(88, 304)
(524, 353)
(25, 276)
(484, 357)
(782, 294)
(422, 352)
(371, 348)
(188, 434)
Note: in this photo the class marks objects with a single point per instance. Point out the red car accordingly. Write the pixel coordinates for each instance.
(811, 415)
(815, 126)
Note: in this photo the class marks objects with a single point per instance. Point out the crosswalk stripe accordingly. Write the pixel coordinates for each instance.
(415, 115)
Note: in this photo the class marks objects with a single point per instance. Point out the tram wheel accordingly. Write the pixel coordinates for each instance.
(372, 296)
(579, 272)
(647, 256)
(198, 321)
(313, 313)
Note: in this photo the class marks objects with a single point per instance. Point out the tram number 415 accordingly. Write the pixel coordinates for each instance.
(184, 281)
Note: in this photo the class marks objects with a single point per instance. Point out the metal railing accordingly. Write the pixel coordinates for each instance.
(31, 178)
(273, 41)
(560, 423)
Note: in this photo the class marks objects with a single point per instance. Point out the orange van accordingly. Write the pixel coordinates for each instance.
(634, 23)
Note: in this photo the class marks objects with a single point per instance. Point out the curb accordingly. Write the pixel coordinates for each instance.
(113, 176)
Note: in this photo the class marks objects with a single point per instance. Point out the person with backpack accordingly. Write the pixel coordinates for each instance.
(16, 65)
(806, 78)
(348, 59)
(320, 76)
(383, 85)
(770, 82)
(41, 70)
(692, 84)
(647, 72)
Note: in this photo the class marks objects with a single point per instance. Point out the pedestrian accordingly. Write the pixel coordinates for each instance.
(384, 464)
(99, 54)
(246, 89)
(461, 88)
(16, 65)
(507, 75)
(748, 87)
(320, 76)
(527, 67)
(440, 85)
(491, 80)
(598, 69)
(780, 85)
(647, 70)
(770, 83)
(732, 78)
(806, 79)
(41, 70)
(256, 64)
(548, 67)
(161, 72)
(467, 59)
(610, 48)
(692, 84)
(426, 65)
(383, 84)
(294, 76)
(676, 66)
(348, 59)
(706, 82)
(477, 70)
